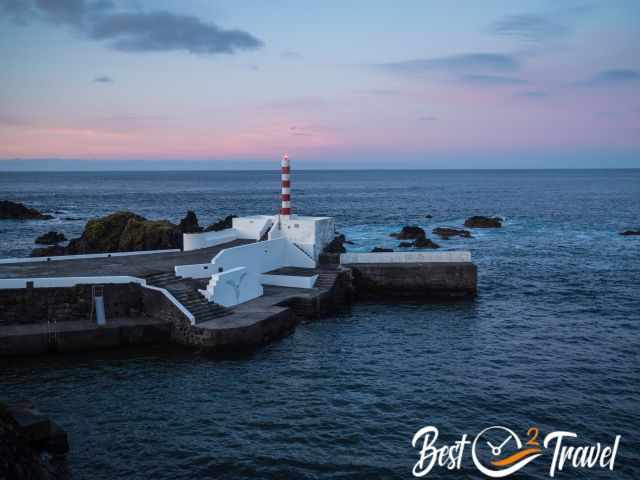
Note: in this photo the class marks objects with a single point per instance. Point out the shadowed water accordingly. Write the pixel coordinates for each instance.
(551, 341)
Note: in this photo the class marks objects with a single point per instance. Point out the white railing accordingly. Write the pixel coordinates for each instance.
(82, 256)
(405, 257)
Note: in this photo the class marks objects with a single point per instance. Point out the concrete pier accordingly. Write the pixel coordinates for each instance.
(156, 306)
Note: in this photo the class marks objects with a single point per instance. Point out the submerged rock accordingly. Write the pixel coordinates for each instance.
(630, 233)
(189, 224)
(483, 222)
(381, 250)
(18, 211)
(405, 245)
(50, 238)
(52, 251)
(446, 233)
(223, 224)
(409, 232)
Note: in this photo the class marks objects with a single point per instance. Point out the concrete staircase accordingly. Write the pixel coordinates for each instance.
(188, 296)
(326, 279)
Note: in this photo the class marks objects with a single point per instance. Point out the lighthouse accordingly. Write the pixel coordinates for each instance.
(285, 194)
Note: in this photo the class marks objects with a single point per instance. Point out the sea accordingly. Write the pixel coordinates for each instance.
(552, 340)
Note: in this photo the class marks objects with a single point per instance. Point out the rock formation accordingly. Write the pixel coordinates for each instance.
(50, 238)
(223, 224)
(409, 232)
(17, 211)
(189, 224)
(381, 250)
(445, 233)
(424, 242)
(483, 222)
(630, 233)
(119, 232)
(336, 245)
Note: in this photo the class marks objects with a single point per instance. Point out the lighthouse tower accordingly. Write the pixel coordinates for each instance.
(285, 196)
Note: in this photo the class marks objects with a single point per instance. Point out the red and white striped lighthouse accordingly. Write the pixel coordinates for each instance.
(285, 197)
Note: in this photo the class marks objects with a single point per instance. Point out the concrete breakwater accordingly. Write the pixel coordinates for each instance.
(160, 297)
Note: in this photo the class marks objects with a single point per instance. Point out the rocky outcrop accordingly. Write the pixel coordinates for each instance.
(119, 232)
(630, 233)
(446, 233)
(336, 245)
(24, 433)
(409, 232)
(381, 250)
(405, 245)
(189, 224)
(483, 222)
(149, 235)
(223, 224)
(50, 238)
(17, 211)
(424, 242)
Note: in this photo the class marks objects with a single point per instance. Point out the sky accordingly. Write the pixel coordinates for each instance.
(358, 84)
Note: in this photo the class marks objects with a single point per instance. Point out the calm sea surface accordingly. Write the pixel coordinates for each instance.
(553, 339)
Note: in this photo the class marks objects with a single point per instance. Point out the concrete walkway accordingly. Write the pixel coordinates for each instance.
(134, 265)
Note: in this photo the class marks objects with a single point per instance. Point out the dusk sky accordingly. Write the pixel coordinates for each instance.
(491, 84)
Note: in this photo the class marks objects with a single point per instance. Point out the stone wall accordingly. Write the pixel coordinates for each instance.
(418, 281)
(43, 305)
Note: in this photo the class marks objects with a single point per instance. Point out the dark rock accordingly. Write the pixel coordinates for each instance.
(405, 245)
(119, 232)
(424, 242)
(428, 216)
(189, 224)
(52, 251)
(72, 219)
(446, 232)
(149, 235)
(223, 224)
(483, 222)
(381, 250)
(630, 233)
(336, 245)
(50, 238)
(17, 211)
(409, 232)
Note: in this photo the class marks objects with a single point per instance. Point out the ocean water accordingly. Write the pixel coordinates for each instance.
(552, 340)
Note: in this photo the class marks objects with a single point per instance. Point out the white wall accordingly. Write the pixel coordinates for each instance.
(288, 280)
(311, 234)
(82, 256)
(405, 257)
(261, 257)
(233, 287)
(59, 282)
(195, 270)
(252, 228)
(195, 241)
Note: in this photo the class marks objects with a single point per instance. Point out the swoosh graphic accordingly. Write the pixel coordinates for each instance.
(515, 457)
